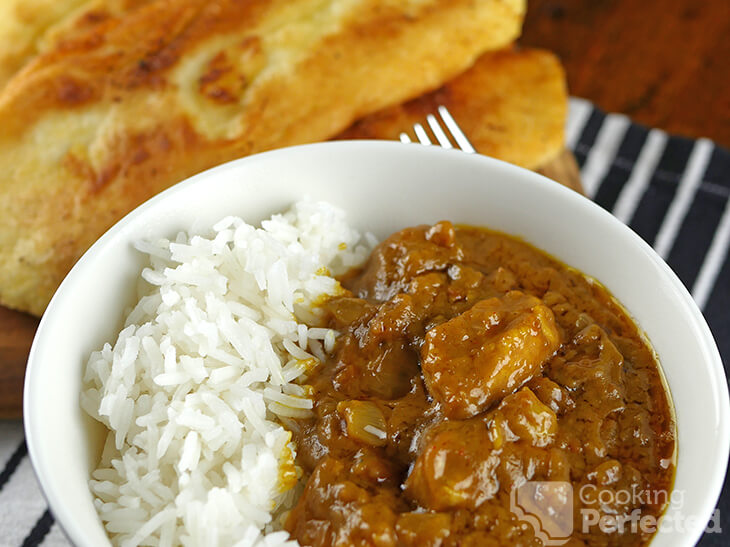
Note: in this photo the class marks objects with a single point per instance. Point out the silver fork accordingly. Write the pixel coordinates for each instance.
(441, 130)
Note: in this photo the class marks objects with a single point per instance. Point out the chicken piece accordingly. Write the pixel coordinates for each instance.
(336, 509)
(528, 418)
(452, 471)
(387, 372)
(423, 529)
(552, 395)
(463, 464)
(405, 255)
(487, 352)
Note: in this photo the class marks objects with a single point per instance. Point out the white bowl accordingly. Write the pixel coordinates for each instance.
(384, 187)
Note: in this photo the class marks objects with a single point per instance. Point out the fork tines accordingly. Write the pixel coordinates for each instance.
(441, 131)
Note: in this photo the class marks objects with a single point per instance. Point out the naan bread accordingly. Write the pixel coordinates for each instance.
(512, 105)
(30, 27)
(22, 26)
(132, 102)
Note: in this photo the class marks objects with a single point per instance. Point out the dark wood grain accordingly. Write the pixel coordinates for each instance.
(16, 335)
(665, 63)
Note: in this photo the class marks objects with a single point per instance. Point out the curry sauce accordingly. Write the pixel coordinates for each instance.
(469, 363)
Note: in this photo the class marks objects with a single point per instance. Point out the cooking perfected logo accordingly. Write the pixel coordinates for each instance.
(548, 507)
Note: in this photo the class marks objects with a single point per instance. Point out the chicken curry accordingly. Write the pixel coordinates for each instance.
(469, 363)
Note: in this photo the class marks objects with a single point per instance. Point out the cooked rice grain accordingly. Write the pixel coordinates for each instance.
(205, 371)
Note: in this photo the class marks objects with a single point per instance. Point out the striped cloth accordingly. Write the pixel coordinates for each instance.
(674, 192)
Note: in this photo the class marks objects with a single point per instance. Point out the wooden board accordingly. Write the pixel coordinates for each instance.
(17, 329)
(565, 170)
(662, 62)
(16, 334)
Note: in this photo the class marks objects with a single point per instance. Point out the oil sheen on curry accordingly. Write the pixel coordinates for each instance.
(469, 363)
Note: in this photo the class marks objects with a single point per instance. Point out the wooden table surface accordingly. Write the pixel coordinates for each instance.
(662, 62)
(665, 63)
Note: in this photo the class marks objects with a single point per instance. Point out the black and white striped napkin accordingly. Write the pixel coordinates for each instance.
(674, 192)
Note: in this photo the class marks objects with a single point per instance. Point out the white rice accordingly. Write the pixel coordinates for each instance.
(209, 365)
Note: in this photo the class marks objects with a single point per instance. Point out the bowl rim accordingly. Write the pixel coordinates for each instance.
(711, 358)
